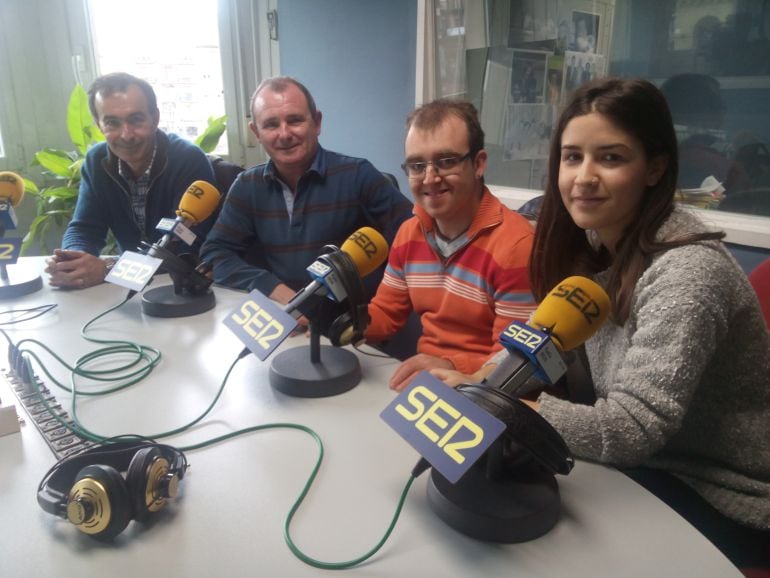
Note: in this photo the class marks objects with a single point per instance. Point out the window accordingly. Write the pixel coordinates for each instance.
(174, 45)
(710, 57)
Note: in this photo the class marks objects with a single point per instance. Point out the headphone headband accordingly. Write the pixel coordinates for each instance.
(351, 325)
(525, 426)
(55, 485)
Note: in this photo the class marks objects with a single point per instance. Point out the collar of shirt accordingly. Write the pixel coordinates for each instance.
(318, 167)
(138, 189)
(126, 172)
(448, 248)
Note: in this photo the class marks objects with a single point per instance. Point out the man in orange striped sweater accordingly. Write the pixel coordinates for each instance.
(461, 261)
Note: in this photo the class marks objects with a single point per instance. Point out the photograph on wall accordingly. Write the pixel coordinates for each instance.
(579, 68)
(528, 77)
(585, 28)
(528, 131)
(532, 21)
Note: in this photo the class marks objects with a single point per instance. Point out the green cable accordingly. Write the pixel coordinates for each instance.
(93, 436)
(303, 494)
(130, 373)
(350, 563)
(136, 376)
(144, 361)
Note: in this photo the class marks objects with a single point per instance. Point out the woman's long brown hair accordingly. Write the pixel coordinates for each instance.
(561, 248)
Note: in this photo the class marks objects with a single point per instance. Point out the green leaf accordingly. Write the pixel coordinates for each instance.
(58, 213)
(79, 120)
(45, 226)
(210, 138)
(33, 234)
(56, 161)
(60, 192)
(75, 168)
(95, 134)
(30, 187)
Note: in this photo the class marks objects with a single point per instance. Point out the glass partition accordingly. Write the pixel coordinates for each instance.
(711, 59)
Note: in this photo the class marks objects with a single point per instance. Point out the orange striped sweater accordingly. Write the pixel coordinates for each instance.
(464, 301)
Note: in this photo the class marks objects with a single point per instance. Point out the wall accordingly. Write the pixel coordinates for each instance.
(748, 257)
(36, 67)
(342, 49)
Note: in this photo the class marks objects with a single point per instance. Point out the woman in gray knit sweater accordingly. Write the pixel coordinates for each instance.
(681, 371)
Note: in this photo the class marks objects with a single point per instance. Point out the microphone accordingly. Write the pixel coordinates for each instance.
(336, 272)
(11, 194)
(197, 204)
(511, 495)
(571, 313)
(16, 279)
(323, 370)
(190, 293)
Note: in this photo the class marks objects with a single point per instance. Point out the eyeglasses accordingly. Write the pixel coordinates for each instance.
(417, 169)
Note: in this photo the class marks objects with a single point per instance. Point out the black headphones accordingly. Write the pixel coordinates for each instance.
(350, 326)
(88, 489)
(525, 428)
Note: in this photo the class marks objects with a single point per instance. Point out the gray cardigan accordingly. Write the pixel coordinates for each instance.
(684, 384)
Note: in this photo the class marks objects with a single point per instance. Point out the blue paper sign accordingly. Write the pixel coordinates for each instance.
(260, 323)
(9, 251)
(444, 426)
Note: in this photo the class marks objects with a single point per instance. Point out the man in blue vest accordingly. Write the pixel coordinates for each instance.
(128, 183)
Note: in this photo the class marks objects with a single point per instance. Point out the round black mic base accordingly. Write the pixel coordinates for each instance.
(164, 302)
(292, 372)
(19, 280)
(522, 505)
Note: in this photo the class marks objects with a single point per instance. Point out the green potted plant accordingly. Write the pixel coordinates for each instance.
(56, 201)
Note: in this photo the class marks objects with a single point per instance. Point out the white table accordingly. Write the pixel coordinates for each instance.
(228, 520)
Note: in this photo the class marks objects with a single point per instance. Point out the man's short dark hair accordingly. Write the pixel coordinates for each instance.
(431, 115)
(279, 84)
(119, 82)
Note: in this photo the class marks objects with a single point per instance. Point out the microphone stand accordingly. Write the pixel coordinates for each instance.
(190, 293)
(315, 370)
(506, 497)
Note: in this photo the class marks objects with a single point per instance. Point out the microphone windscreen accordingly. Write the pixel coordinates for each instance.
(572, 312)
(367, 248)
(11, 187)
(198, 202)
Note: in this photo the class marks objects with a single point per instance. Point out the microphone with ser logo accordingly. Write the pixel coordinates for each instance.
(571, 313)
(337, 276)
(190, 292)
(15, 279)
(11, 194)
(510, 494)
(320, 371)
(197, 204)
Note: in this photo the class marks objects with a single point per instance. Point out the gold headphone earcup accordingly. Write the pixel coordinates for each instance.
(98, 503)
(147, 478)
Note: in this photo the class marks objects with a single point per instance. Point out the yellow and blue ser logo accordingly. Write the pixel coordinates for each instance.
(444, 426)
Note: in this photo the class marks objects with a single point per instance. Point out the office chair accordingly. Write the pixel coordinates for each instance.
(760, 281)
(225, 173)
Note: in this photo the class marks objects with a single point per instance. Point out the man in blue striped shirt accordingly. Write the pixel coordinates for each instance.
(278, 216)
